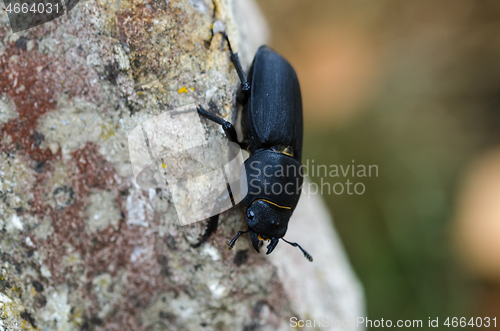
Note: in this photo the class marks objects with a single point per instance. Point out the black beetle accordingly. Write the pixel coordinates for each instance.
(272, 134)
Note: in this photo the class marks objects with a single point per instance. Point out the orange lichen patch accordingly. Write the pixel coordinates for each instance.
(185, 89)
(108, 131)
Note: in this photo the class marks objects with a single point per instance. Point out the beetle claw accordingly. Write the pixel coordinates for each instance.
(254, 238)
(272, 245)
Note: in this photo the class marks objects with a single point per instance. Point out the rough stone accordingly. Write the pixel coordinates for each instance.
(82, 246)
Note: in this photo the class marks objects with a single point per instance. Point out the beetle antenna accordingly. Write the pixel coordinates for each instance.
(232, 242)
(306, 254)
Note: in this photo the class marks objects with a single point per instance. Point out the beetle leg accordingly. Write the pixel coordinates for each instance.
(306, 254)
(225, 198)
(211, 228)
(226, 126)
(245, 86)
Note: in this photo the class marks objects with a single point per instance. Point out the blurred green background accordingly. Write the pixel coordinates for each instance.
(413, 87)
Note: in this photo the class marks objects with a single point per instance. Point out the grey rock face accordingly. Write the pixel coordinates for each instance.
(82, 246)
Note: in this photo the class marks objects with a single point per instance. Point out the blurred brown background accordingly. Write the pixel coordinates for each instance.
(413, 87)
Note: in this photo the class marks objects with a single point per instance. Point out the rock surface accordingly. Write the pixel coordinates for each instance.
(83, 247)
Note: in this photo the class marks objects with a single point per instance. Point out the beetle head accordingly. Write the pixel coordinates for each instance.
(267, 220)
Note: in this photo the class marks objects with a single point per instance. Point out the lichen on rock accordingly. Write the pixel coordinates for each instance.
(82, 246)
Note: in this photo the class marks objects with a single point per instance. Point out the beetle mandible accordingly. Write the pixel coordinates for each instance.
(272, 128)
